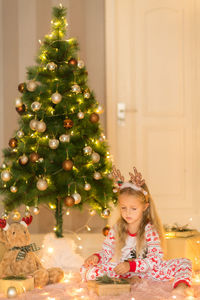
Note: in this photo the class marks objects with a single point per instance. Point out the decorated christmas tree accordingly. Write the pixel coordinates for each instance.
(58, 156)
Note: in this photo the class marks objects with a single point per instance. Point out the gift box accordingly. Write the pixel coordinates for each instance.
(21, 285)
(184, 244)
(112, 288)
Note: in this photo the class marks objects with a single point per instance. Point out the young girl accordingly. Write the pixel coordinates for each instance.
(135, 243)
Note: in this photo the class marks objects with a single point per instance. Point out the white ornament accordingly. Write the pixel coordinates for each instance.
(35, 106)
(31, 85)
(23, 159)
(5, 175)
(97, 175)
(87, 150)
(11, 292)
(51, 66)
(87, 95)
(3, 166)
(42, 184)
(53, 143)
(87, 187)
(41, 126)
(20, 134)
(80, 115)
(76, 88)
(56, 98)
(65, 138)
(18, 102)
(77, 198)
(13, 189)
(80, 64)
(95, 157)
(33, 124)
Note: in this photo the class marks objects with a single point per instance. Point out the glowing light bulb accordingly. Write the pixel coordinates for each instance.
(80, 247)
(88, 228)
(67, 212)
(50, 250)
(40, 41)
(79, 238)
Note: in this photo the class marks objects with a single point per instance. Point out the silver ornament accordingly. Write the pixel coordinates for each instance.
(35, 106)
(87, 187)
(31, 85)
(53, 143)
(11, 292)
(97, 175)
(105, 213)
(5, 175)
(51, 66)
(5, 215)
(65, 138)
(77, 198)
(92, 212)
(13, 189)
(80, 115)
(87, 150)
(23, 159)
(20, 134)
(76, 88)
(18, 102)
(95, 157)
(33, 124)
(80, 64)
(36, 210)
(41, 126)
(56, 98)
(87, 95)
(42, 184)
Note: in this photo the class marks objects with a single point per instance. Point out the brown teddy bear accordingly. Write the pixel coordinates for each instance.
(20, 259)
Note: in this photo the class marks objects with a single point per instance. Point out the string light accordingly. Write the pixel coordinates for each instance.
(50, 250)
(67, 212)
(88, 228)
(40, 41)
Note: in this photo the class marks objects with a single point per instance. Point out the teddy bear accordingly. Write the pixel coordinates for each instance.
(20, 257)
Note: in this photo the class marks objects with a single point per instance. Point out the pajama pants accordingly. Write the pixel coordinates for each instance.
(180, 270)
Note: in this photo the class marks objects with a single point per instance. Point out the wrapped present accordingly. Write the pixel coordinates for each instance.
(16, 285)
(177, 230)
(178, 246)
(106, 286)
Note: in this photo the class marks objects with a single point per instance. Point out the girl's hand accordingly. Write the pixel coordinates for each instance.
(91, 260)
(122, 268)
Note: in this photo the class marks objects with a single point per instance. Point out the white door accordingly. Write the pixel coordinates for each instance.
(151, 65)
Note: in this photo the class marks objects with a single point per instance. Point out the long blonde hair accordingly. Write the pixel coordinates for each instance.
(149, 216)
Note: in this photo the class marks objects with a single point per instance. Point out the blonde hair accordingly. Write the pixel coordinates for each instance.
(149, 216)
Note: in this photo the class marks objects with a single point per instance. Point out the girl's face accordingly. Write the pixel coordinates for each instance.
(131, 208)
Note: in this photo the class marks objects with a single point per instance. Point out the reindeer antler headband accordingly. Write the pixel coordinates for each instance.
(135, 184)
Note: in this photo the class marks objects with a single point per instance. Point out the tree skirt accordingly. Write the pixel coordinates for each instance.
(74, 289)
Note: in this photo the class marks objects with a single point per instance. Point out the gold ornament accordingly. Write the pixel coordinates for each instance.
(97, 175)
(106, 230)
(56, 98)
(51, 66)
(81, 64)
(20, 134)
(87, 187)
(21, 87)
(35, 106)
(33, 124)
(23, 160)
(76, 88)
(21, 109)
(15, 215)
(92, 212)
(67, 165)
(72, 62)
(13, 143)
(105, 213)
(68, 123)
(80, 115)
(36, 210)
(99, 109)
(13, 189)
(34, 157)
(42, 184)
(65, 138)
(87, 95)
(69, 201)
(5, 175)
(95, 157)
(12, 292)
(87, 150)
(41, 126)
(31, 85)
(53, 143)
(94, 118)
(77, 198)
(5, 215)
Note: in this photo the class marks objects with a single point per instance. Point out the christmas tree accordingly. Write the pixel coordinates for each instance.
(58, 156)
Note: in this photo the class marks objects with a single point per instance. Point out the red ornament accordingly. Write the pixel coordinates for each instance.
(67, 165)
(21, 87)
(68, 123)
(2, 223)
(27, 220)
(106, 230)
(72, 62)
(94, 118)
(13, 143)
(21, 109)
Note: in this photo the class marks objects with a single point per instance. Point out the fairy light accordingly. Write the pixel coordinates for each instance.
(80, 247)
(88, 228)
(173, 297)
(67, 212)
(78, 238)
(50, 250)
(40, 41)
(54, 228)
